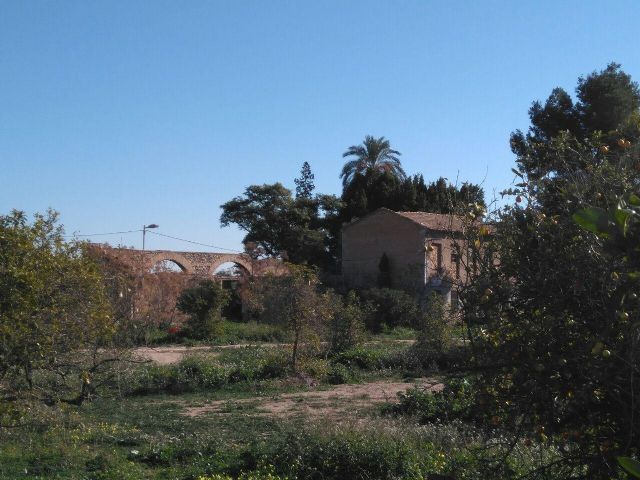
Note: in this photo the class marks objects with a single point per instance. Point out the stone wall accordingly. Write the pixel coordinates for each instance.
(191, 263)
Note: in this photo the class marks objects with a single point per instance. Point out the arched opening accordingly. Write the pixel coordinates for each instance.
(231, 276)
(167, 266)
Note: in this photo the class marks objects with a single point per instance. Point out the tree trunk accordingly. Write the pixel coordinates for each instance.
(294, 356)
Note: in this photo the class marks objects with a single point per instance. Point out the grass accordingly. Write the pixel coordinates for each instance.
(149, 438)
(235, 332)
(145, 434)
(396, 333)
(251, 332)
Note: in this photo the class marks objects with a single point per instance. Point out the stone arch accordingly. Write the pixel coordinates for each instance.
(174, 257)
(240, 260)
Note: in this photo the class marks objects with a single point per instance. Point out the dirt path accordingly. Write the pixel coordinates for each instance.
(169, 354)
(166, 355)
(174, 353)
(340, 402)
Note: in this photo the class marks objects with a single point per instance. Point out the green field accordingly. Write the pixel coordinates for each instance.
(238, 413)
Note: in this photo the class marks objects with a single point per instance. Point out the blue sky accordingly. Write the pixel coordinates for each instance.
(122, 113)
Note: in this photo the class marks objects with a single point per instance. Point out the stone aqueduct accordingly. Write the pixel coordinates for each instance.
(195, 263)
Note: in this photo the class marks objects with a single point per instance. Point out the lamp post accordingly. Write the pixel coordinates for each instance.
(144, 232)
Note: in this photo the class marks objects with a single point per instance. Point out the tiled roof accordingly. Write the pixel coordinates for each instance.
(435, 221)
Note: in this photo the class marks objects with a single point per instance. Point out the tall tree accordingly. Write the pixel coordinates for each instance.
(278, 223)
(304, 184)
(375, 154)
(556, 321)
(605, 114)
(374, 190)
(55, 317)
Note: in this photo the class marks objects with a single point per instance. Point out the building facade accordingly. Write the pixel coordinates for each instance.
(414, 251)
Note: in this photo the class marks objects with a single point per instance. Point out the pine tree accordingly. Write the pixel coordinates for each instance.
(304, 184)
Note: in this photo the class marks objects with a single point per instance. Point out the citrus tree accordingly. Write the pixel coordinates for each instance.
(55, 318)
(554, 318)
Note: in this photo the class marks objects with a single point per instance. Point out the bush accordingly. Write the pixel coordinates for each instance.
(204, 373)
(314, 367)
(339, 374)
(398, 333)
(238, 332)
(456, 401)
(435, 337)
(370, 357)
(347, 323)
(391, 308)
(363, 357)
(295, 302)
(264, 473)
(203, 303)
(340, 455)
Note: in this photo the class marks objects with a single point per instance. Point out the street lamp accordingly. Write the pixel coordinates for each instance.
(144, 232)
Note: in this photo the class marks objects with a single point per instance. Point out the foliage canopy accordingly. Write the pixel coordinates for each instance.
(373, 155)
(555, 322)
(55, 317)
(299, 228)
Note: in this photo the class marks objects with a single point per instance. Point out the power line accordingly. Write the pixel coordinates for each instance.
(154, 233)
(195, 243)
(101, 234)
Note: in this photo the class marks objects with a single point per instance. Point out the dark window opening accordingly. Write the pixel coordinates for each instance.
(455, 260)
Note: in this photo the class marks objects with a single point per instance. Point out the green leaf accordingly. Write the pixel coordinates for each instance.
(593, 219)
(633, 275)
(622, 219)
(634, 200)
(630, 465)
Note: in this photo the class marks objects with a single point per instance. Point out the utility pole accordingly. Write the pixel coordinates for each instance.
(144, 232)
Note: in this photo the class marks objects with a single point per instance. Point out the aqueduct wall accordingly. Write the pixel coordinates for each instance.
(194, 263)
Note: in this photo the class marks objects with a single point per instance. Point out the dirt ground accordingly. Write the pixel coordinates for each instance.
(167, 355)
(339, 402)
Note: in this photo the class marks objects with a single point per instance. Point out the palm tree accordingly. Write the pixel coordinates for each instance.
(375, 154)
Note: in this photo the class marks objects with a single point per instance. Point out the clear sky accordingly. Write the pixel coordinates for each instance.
(120, 113)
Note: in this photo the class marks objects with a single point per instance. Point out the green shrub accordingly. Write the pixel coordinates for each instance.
(398, 333)
(264, 473)
(363, 357)
(317, 368)
(346, 326)
(239, 332)
(203, 303)
(204, 373)
(455, 401)
(372, 357)
(340, 455)
(391, 308)
(339, 374)
(436, 327)
(435, 347)
(250, 363)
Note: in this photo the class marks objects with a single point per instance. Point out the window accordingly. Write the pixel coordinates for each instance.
(455, 260)
(455, 301)
(438, 250)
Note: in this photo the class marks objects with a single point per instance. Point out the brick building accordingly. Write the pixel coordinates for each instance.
(419, 251)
